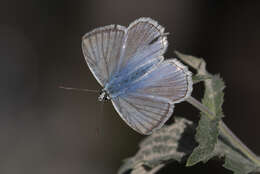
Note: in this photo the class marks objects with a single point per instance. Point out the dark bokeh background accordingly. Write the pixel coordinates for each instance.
(44, 129)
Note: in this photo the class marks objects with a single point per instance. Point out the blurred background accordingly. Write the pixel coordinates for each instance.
(44, 129)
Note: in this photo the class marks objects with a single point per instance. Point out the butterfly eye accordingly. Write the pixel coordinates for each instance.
(100, 91)
(103, 96)
(106, 98)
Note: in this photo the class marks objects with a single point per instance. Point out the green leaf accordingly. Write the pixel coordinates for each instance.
(194, 62)
(214, 96)
(238, 167)
(234, 159)
(172, 142)
(207, 131)
(199, 78)
(197, 63)
(211, 141)
(177, 142)
(206, 136)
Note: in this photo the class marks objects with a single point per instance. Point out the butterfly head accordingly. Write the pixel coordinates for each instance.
(104, 96)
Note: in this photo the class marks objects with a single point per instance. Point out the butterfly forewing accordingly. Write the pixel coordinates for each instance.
(102, 48)
(145, 41)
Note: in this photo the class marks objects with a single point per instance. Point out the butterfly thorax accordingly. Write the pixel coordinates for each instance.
(104, 96)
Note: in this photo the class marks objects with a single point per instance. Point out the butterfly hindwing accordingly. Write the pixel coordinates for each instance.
(143, 113)
(149, 103)
(169, 79)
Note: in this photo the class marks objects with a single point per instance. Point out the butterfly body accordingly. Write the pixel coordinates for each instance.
(129, 65)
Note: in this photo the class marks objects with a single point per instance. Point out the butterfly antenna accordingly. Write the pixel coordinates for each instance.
(78, 89)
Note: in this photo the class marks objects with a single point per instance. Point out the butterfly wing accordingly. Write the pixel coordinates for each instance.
(149, 103)
(143, 113)
(102, 49)
(114, 48)
(145, 41)
(170, 80)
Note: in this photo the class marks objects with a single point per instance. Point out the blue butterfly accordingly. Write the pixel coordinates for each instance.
(129, 64)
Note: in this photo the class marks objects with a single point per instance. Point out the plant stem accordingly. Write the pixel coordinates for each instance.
(225, 131)
(156, 169)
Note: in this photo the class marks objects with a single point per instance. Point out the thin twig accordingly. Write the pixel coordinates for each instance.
(156, 169)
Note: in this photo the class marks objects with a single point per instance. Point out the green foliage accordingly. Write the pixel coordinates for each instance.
(199, 78)
(170, 143)
(206, 135)
(207, 130)
(239, 167)
(234, 159)
(187, 143)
